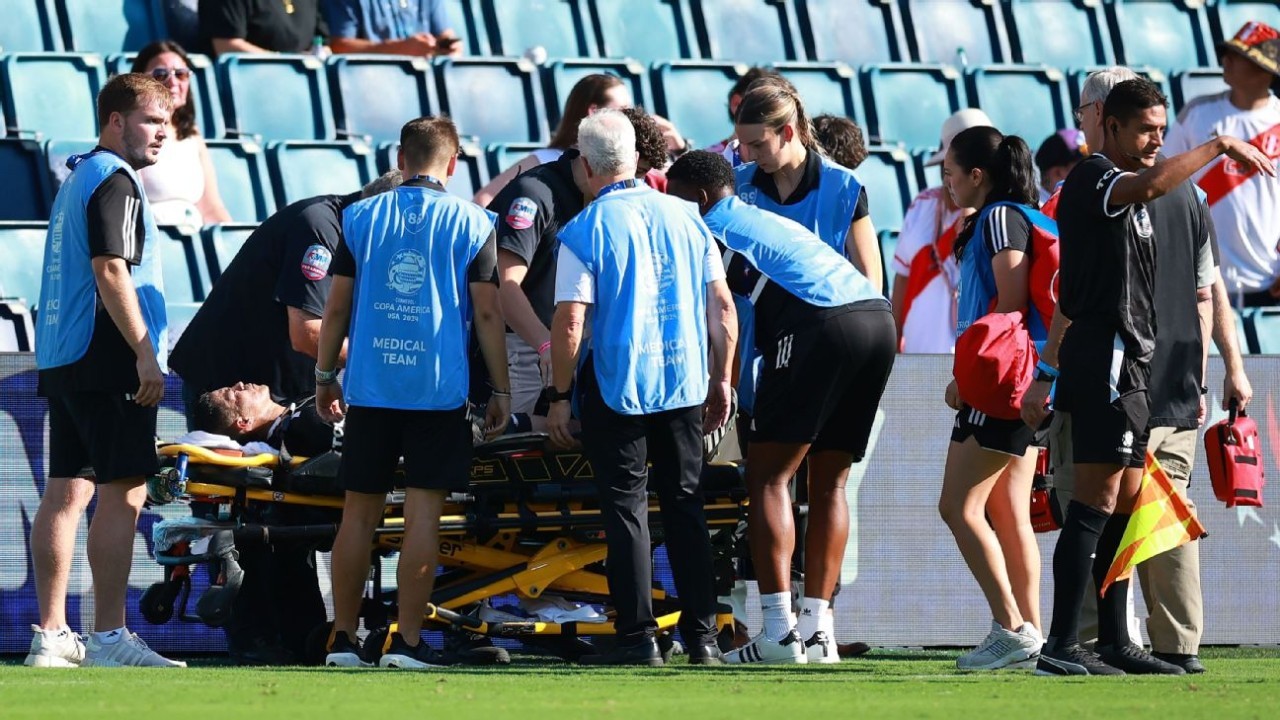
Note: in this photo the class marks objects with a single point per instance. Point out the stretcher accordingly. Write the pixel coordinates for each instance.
(528, 527)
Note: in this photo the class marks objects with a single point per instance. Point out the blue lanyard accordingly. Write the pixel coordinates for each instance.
(620, 185)
(427, 178)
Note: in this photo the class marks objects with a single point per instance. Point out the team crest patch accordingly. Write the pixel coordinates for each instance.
(521, 213)
(315, 262)
(1142, 223)
(406, 272)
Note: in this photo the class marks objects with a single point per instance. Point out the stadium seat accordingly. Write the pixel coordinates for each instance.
(468, 23)
(1165, 34)
(27, 194)
(111, 26)
(471, 174)
(221, 243)
(888, 245)
(692, 94)
(276, 97)
(908, 103)
(890, 179)
(958, 32)
(243, 181)
(182, 259)
(1080, 34)
(204, 90)
(501, 156)
(375, 95)
(926, 176)
(750, 31)
(30, 26)
(668, 31)
(303, 169)
(179, 315)
(1266, 330)
(856, 32)
(825, 87)
(559, 27)
(1191, 84)
(56, 154)
(559, 77)
(495, 99)
(1075, 81)
(1228, 16)
(22, 245)
(52, 93)
(1022, 100)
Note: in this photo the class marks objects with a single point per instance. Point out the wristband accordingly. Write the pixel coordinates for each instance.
(326, 377)
(544, 347)
(1045, 368)
(500, 393)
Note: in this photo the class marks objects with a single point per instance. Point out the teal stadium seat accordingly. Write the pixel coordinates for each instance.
(1080, 35)
(111, 26)
(243, 182)
(182, 259)
(668, 30)
(750, 31)
(375, 95)
(888, 245)
(275, 97)
(52, 93)
(856, 32)
(559, 77)
(1191, 84)
(1228, 16)
(559, 27)
(30, 26)
(1022, 100)
(221, 243)
(501, 156)
(303, 169)
(1266, 328)
(22, 246)
(495, 99)
(1166, 34)
(942, 29)
(468, 23)
(692, 93)
(1075, 81)
(890, 179)
(204, 90)
(27, 193)
(179, 315)
(56, 154)
(908, 103)
(825, 87)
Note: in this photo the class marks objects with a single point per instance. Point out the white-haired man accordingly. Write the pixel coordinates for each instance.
(651, 273)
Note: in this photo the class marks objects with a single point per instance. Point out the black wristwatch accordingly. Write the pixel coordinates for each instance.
(554, 395)
(1204, 389)
(1042, 376)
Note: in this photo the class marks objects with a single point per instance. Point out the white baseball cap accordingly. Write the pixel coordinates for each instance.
(956, 124)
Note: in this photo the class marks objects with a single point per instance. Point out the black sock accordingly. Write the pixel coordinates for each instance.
(1113, 609)
(1072, 563)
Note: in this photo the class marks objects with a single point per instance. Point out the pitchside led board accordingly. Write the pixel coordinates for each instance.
(904, 581)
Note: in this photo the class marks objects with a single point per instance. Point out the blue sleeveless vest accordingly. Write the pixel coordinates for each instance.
(978, 281)
(407, 346)
(827, 211)
(647, 253)
(68, 290)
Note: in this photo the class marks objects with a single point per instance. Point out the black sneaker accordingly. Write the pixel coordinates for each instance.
(708, 654)
(1071, 660)
(468, 648)
(645, 653)
(1135, 660)
(343, 651)
(419, 657)
(1190, 663)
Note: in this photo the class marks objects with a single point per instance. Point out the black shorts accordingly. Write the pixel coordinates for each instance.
(103, 435)
(1011, 437)
(822, 383)
(1105, 390)
(435, 444)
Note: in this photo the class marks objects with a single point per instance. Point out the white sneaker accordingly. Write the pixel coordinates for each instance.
(789, 649)
(54, 648)
(1002, 648)
(129, 651)
(821, 648)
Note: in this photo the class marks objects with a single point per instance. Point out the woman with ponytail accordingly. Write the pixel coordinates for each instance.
(991, 461)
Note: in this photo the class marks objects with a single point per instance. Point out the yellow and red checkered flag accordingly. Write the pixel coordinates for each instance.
(1161, 521)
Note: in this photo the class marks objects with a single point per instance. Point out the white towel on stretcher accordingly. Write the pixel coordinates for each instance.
(212, 441)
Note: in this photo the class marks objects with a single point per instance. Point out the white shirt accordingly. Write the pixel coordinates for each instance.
(930, 327)
(175, 183)
(1247, 219)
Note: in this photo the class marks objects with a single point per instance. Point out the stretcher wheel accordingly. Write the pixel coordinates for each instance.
(316, 647)
(158, 601)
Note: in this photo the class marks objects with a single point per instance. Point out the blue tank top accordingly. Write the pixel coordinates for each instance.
(68, 290)
(407, 348)
(646, 251)
(827, 211)
(978, 280)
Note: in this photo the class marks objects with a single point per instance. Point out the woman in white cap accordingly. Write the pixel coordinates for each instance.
(926, 286)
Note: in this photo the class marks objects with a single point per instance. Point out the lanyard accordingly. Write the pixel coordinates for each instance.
(620, 185)
(426, 178)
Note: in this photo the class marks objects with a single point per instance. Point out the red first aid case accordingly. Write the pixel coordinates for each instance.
(1234, 454)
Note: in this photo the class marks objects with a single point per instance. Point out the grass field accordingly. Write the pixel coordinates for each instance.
(1241, 683)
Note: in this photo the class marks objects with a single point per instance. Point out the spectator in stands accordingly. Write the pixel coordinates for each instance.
(591, 93)
(257, 26)
(928, 276)
(407, 27)
(1057, 155)
(842, 140)
(728, 148)
(181, 186)
(1245, 206)
(100, 351)
(182, 18)
(991, 461)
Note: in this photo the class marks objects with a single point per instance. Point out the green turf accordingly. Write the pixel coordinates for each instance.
(1241, 683)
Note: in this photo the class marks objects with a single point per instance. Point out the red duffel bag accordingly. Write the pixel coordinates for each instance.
(1234, 454)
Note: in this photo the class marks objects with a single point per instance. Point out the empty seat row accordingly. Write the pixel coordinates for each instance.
(101, 26)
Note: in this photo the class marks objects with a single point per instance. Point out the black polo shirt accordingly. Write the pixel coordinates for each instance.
(277, 25)
(531, 210)
(809, 181)
(241, 332)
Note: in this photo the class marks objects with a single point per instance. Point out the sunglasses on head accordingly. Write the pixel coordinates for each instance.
(163, 74)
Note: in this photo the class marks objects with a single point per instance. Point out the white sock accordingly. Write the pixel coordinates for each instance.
(827, 623)
(778, 619)
(109, 637)
(811, 612)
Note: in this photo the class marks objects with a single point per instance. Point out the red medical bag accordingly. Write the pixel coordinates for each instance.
(1235, 459)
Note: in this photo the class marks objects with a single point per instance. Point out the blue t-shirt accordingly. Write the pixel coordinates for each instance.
(382, 20)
